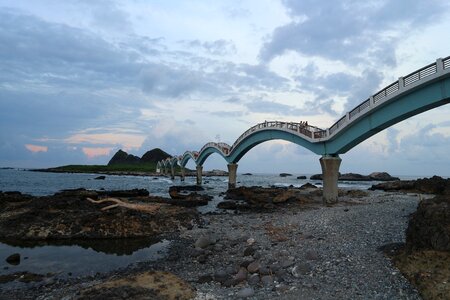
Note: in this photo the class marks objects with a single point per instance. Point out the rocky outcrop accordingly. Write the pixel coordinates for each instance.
(70, 215)
(433, 185)
(147, 285)
(375, 176)
(179, 197)
(154, 155)
(123, 158)
(429, 226)
(285, 174)
(259, 197)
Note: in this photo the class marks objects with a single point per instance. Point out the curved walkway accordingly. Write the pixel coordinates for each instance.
(422, 90)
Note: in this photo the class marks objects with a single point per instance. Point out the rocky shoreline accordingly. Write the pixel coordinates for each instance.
(290, 248)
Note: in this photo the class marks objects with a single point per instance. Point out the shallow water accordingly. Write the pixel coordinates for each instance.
(90, 257)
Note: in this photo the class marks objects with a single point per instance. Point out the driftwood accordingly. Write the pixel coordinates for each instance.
(149, 208)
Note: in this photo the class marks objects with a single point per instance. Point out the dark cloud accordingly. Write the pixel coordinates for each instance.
(350, 31)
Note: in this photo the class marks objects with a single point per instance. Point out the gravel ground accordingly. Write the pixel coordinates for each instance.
(294, 253)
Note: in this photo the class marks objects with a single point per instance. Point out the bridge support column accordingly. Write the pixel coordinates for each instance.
(330, 173)
(199, 175)
(232, 171)
(183, 173)
(172, 172)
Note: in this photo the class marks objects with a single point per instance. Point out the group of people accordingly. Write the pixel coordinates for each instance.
(303, 123)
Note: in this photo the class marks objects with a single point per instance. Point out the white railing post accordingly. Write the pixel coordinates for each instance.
(328, 132)
(439, 66)
(347, 117)
(401, 84)
(371, 101)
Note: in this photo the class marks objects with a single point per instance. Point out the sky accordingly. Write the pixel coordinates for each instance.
(81, 79)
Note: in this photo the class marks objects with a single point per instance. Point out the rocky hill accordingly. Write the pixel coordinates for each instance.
(123, 158)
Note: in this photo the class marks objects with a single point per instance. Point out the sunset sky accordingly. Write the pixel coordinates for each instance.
(81, 79)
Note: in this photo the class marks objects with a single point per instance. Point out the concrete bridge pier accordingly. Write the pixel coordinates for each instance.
(183, 173)
(172, 172)
(330, 173)
(199, 174)
(232, 171)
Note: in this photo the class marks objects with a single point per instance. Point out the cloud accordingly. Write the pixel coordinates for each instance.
(95, 152)
(36, 148)
(271, 107)
(218, 47)
(127, 141)
(349, 31)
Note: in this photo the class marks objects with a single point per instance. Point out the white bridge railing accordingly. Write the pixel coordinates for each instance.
(315, 134)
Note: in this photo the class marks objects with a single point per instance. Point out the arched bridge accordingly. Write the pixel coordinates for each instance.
(422, 90)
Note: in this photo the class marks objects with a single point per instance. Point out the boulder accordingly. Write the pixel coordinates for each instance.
(13, 259)
(285, 174)
(316, 177)
(382, 176)
(301, 177)
(102, 177)
(429, 226)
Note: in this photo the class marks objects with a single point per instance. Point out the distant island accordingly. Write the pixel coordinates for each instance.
(121, 163)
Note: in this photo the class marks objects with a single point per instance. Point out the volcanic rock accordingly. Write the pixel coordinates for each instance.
(285, 174)
(433, 185)
(429, 226)
(69, 215)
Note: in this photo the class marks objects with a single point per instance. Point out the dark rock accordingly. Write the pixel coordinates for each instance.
(354, 177)
(125, 193)
(69, 215)
(382, 176)
(259, 197)
(247, 174)
(13, 259)
(249, 251)
(316, 177)
(301, 177)
(434, 185)
(253, 267)
(190, 199)
(429, 226)
(241, 275)
(253, 279)
(264, 270)
(221, 276)
(245, 263)
(312, 255)
(285, 174)
(102, 177)
(267, 280)
(308, 186)
(204, 241)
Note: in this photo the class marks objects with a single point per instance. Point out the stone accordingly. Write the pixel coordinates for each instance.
(312, 255)
(253, 267)
(241, 275)
(264, 270)
(250, 241)
(245, 292)
(253, 279)
(429, 226)
(308, 186)
(301, 177)
(100, 178)
(266, 280)
(300, 269)
(287, 262)
(205, 278)
(434, 185)
(221, 276)
(13, 259)
(249, 251)
(203, 242)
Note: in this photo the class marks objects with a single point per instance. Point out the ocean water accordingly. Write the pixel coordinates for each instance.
(90, 257)
(43, 183)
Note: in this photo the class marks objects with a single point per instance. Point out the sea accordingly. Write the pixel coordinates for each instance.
(84, 258)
